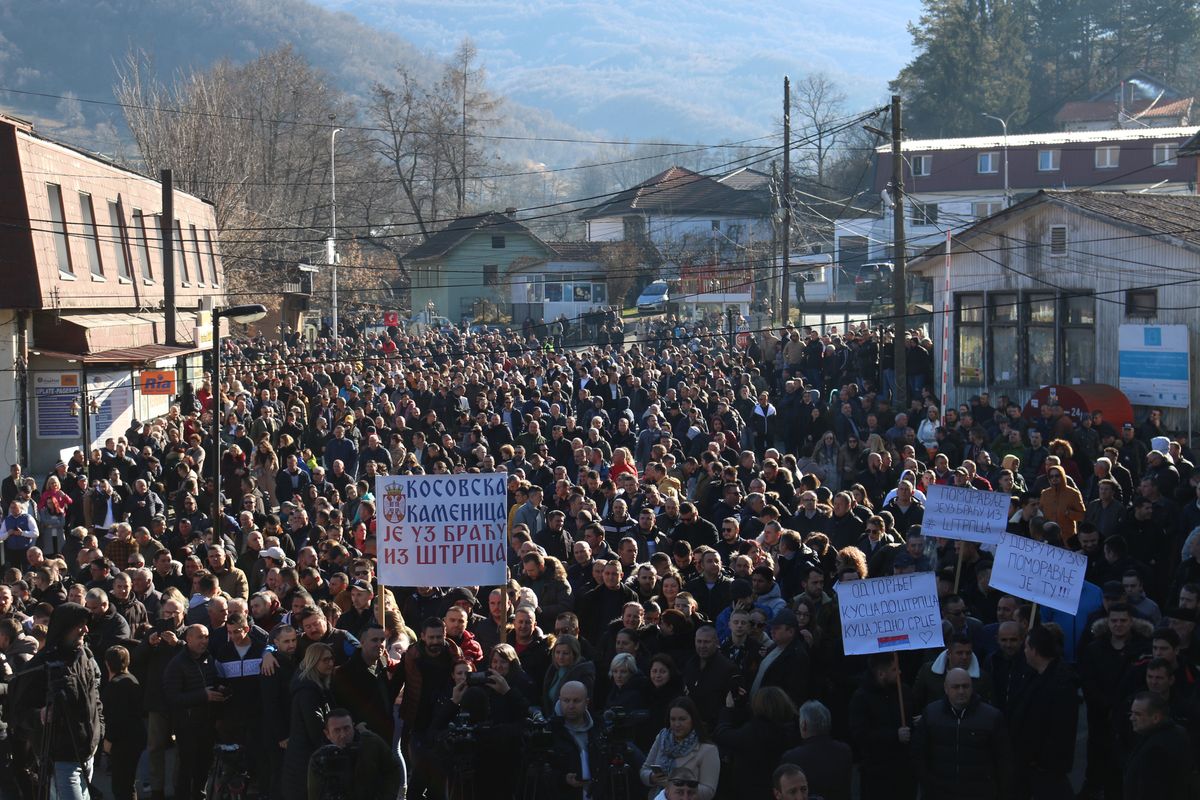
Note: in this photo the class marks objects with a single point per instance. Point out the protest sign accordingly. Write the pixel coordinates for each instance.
(1051, 576)
(884, 614)
(952, 512)
(442, 530)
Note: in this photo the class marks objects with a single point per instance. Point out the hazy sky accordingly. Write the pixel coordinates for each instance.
(678, 69)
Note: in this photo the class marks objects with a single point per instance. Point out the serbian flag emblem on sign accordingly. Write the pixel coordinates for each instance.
(893, 641)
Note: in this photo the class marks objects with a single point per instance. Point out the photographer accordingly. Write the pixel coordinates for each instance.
(478, 728)
(356, 763)
(150, 661)
(55, 701)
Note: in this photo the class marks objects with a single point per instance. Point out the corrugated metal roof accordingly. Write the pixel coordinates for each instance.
(144, 354)
(1171, 215)
(1089, 111)
(1036, 139)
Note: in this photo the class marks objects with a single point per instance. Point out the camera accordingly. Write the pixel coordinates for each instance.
(477, 679)
(618, 718)
(537, 734)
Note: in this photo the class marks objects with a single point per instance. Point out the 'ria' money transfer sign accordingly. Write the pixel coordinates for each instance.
(441, 530)
(895, 613)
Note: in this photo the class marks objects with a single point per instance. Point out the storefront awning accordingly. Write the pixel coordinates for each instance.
(141, 355)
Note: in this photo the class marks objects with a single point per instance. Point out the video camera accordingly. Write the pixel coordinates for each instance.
(334, 767)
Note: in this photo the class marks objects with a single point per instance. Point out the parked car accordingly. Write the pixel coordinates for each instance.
(872, 281)
(654, 297)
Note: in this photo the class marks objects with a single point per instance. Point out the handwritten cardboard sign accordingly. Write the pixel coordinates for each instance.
(1042, 573)
(952, 512)
(900, 612)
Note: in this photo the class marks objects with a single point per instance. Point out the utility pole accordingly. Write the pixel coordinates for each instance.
(787, 197)
(167, 227)
(899, 264)
(331, 250)
(773, 291)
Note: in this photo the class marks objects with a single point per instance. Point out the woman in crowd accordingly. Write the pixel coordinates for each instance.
(568, 665)
(754, 735)
(683, 743)
(311, 701)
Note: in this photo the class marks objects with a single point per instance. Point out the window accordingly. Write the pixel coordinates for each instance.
(635, 228)
(600, 293)
(497, 242)
(1165, 154)
(143, 245)
(185, 277)
(852, 251)
(716, 225)
(1003, 313)
(988, 163)
(212, 257)
(582, 293)
(969, 341)
(922, 166)
(554, 292)
(1058, 240)
(924, 213)
(58, 225)
(1079, 339)
(1108, 157)
(1048, 160)
(120, 240)
(986, 208)
(491, 274)
(1039, 338)
(195, 243)
(91, 236)
(1141, 302)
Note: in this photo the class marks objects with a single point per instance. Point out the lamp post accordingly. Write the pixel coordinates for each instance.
(332, 249)
(1004, 126)
(245, 315)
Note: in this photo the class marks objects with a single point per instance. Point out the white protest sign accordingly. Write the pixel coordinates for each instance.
(884, 614)
(1042, 573)
(442, 530)
(952, 512)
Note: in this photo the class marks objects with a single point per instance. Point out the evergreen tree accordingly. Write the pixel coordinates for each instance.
(971, 59)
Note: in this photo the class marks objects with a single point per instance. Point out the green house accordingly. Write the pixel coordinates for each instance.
(466, 264)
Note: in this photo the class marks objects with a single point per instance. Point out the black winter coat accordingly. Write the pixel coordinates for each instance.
(754, 746)
(310, 706)
(1043, 719)
(75, 736)
(1160, 766)
(186, 682)
(961, 754)
(874, 720)
(149, 664)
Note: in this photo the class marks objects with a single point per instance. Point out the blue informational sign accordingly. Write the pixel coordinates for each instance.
(1154, 365)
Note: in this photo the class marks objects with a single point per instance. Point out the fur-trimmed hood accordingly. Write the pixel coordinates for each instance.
(1140, 627)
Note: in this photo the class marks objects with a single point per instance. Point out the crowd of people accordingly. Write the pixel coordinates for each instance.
(682, 517)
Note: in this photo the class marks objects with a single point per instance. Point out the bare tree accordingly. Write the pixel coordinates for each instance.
(244, 137)
(817, 103)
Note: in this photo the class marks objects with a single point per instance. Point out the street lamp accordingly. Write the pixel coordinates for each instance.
(1004, 126)
(243, 315)
(332, 249)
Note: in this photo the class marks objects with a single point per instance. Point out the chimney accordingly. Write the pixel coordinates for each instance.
(511, 211)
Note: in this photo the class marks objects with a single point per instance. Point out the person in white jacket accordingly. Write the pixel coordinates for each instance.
(681, 745)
